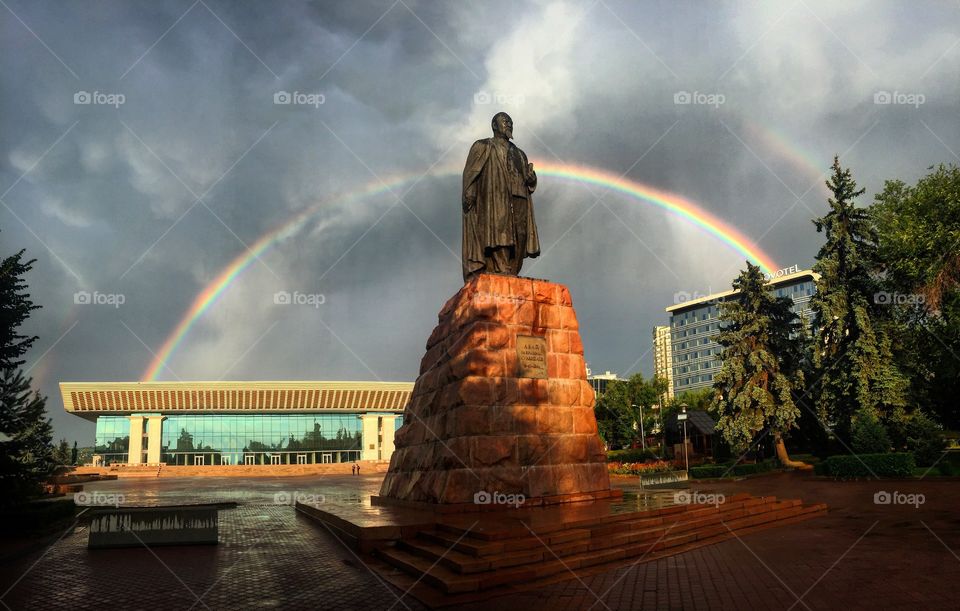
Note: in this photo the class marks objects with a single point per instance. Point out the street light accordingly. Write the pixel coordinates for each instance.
(683, 416)
(643, 441)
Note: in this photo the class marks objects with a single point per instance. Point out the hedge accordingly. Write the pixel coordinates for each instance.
(631, 455)
(728, 470)
(899, 464)
(707, 471)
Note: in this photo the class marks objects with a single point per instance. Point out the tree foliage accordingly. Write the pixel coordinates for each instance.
(25, 432)
(752, 390)
(852, 357)
(918, 231)
(621, 406)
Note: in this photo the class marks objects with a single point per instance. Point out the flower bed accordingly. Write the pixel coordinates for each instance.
(639, 468)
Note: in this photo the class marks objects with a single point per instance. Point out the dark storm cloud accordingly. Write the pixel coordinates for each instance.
(112, 205)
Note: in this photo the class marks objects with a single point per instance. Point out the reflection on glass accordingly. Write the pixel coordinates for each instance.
(260, 439)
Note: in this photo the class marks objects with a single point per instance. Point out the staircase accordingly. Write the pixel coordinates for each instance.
(494, 556)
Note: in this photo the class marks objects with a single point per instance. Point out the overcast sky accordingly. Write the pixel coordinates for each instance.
(181, 160)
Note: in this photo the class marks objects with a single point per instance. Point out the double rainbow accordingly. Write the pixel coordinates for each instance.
(583, 174)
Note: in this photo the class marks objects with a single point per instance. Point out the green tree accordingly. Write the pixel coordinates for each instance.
(868, 436)
(853, 363)
(752, 392)
(25, 449)
(15, 308)
(619, 409)
(61, 453)
(25, 454)
(918, 231)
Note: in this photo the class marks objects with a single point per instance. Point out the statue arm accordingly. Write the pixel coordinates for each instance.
(531, 176)
(471, 171)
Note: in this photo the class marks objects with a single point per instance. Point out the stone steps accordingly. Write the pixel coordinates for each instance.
(452, 560)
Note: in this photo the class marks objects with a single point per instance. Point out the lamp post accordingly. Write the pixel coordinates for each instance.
(643, 440)
(683, 416)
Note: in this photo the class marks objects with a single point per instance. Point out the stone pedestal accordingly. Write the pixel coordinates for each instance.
(476, 429)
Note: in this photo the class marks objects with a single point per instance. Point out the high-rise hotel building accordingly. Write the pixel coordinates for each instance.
(694, 325)
(662, 358)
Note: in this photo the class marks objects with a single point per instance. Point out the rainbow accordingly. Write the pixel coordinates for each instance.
(670, 202)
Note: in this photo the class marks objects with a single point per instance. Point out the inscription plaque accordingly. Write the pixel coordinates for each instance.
(532, 354)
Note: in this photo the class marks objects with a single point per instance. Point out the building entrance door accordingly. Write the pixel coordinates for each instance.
(301, 459)
(275, 459)
(249, 459)
(327, 457)
(198, 460)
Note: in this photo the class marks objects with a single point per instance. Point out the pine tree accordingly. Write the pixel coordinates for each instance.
(15, 308)
(25, 453)
(853, 363)
(25, 450)
(754, 389)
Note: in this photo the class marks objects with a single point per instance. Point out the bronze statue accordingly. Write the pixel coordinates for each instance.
(499, 229)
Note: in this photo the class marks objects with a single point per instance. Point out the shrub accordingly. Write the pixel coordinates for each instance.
(731, 470)
(631, 455)
(706, 471)
(925, 440)
(868, 436)
(899, 464)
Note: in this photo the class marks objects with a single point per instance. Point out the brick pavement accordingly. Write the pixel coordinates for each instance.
(271, 557)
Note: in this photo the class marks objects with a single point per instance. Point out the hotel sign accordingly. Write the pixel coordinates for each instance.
(786, 271)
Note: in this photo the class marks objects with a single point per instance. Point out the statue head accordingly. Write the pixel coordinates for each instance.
(502, 125)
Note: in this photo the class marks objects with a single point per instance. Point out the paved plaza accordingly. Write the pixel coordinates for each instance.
(861, 555)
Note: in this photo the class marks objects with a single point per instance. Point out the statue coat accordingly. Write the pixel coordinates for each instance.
(497, 194)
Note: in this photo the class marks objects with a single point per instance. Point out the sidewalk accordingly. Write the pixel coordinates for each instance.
(859, 556)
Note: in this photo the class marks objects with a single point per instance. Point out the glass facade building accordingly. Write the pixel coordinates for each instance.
(694, 325)
(236, 423)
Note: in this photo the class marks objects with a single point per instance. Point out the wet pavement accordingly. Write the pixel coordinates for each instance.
(862, 555)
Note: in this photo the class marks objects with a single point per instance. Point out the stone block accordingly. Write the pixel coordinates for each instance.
(493, 450)
(472, 424)
(554, 420)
